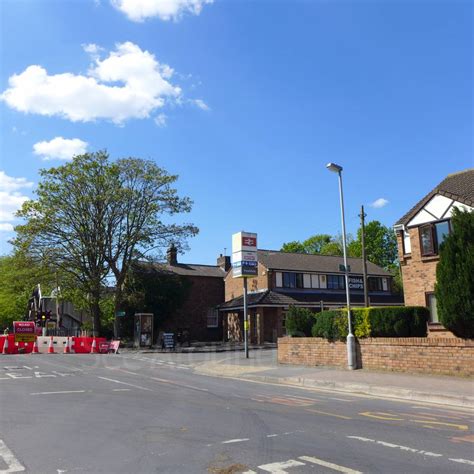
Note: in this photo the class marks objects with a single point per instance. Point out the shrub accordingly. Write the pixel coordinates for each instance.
(398, 321)
(407, 321)
(299, 321)
(454, 289)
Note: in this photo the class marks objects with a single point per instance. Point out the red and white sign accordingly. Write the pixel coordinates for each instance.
(24, 331)
(249, 241)
(24, 327)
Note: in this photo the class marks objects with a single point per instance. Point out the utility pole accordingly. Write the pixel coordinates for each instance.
(362, 216)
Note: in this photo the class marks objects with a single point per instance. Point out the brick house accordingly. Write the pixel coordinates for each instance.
(420, 232)
(310, 281)
(198, 314)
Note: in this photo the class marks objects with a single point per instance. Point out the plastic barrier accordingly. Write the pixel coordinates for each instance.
(83, 345)
(80, 345)
(15, 347)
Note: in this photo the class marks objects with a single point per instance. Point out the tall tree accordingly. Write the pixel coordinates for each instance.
(454, 287)
(92, 216)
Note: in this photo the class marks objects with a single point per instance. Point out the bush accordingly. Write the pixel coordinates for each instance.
(299, 321)
(399, 321)
(454, 289)
(406, 321)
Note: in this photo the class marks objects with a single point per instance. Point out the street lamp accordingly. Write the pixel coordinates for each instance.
(351, 352)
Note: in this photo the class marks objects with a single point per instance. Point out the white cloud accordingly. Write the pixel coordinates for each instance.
(4, 227)
(11, 199)
(140, 10)
(128, 83)
(60, 148)
(201, 104)
(160, 120)
(380, 202)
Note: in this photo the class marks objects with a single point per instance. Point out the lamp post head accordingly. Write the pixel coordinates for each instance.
(334, 168)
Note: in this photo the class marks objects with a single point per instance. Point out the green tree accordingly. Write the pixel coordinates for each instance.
(93, 217)
(320, 244)
(380, 244)
(454, 287)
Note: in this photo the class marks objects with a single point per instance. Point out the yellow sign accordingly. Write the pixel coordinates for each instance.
(246, 325)
(25, 337)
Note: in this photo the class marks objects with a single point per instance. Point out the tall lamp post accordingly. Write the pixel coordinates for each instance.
(351, 349)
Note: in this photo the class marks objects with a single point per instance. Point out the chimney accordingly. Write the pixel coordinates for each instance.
(223, 262)
(172, 255)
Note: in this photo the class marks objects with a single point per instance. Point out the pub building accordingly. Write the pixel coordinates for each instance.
(316, 282)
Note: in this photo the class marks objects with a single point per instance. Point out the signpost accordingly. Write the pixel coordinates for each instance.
(24, 331)
(245, 265)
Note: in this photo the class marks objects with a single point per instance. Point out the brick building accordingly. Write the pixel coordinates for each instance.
(198, 314)
(420, 232)
(291, 279)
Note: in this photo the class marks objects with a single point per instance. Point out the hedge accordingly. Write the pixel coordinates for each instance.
(390, 321)
(299, 321)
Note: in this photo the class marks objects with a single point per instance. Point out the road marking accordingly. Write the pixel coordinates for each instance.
(55, 393)
(381, 415)
(342, 417)
(125, 383)
(279, 467)
(10, 460)
(397, 446)
(329, 465)
(272, 435)
(459, 427)
(121, 390)
(462, 461)
(237, 440)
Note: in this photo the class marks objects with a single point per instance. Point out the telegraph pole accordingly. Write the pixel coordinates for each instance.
(362, 216)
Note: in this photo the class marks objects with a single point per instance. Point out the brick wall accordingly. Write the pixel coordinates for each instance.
(204, 293)
(234, 286)
(448, 356)
(418, 273)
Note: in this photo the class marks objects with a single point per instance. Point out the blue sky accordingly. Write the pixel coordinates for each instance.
(247, 101)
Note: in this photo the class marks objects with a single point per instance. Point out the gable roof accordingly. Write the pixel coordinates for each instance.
(458, 186)
(186, 269)
(285, 261)
(191, 269)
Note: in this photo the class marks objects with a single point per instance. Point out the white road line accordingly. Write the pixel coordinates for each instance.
(397, 446)
(272, 435)
(55, 393)
(462, 461)
(279, 467)
(329, 465)
(121, 390)
(237, 440)
(10, 460)
(125, 383)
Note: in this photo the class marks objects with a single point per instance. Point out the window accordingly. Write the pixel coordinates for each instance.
(289, 280)
(293, 280)
(314, 281)
(432, 236)
(375, 284)
(279, 280)
(336, 282)
(431, 303)
(212, 318)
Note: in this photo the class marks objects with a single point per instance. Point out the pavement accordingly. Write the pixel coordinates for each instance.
(263, 366)
(175, 413)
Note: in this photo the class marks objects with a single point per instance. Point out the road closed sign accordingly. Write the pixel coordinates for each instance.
(24, 331)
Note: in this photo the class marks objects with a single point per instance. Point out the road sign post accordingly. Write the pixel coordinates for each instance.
(245, 265)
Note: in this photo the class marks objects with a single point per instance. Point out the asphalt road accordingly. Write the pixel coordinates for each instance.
(141, 413)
